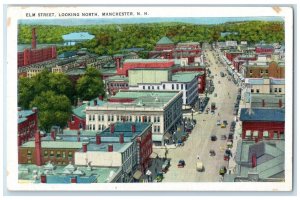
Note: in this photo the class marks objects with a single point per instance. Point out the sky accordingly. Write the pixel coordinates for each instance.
(198, 20)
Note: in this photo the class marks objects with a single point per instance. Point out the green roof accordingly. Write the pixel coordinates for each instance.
(165, 40)
(55, 144)
(117, 78)
(146, 60)
(80, 111)
(185, 76)
(76, 71)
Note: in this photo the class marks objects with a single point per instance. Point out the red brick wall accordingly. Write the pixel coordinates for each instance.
(31, 56)
(145, 149)
(74, 123)
(271, 127)
(27, 129)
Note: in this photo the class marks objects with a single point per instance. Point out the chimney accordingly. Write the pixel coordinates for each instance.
(112, 128)
(121, 138)
(110, 148)
(78, 136)
(280, 103)
(43, 178)
(98, 139)
(34, 109)
(101, 97)
(74, 179)
(33, 39)
(84, 147)
(118, 62)
(53, 136)
(38, 148)
(263, 103)
(133, 128)
(95, 102)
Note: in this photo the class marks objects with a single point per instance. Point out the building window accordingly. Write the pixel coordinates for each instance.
(164, 86)
(64, 154)
(58, 155)
(182, 86)
(29, 161)
(70, 154)
(158, 119)
(29, 152)
(158, 129)
(99, 117)
(177, 86)
(112, 118)
(99, 127)
(275, 90)
(152, 87)
(143, 87)
(118, 118)
(257, 90)
(266, 134)
(148, 87)
(271, 90)
(155, 129)
(279, 89)
(248, 134)
(51, 153)
(93, 126)
(108, 118)
(252, 90)
(158, 87)
(45, 153)
(250, 71)
(261, 71)
(90, 117)
(267, 71)
(93, 117)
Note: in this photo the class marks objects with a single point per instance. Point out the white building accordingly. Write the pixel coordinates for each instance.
(162, 109)
(265, 85)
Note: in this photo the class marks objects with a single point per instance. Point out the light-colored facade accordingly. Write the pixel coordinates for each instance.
(162, 109)
(34, 71)
(57, 69)
(265, 85)
(187, 82)
(137, 76)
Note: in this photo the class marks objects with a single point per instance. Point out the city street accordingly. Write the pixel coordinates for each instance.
(199, 142)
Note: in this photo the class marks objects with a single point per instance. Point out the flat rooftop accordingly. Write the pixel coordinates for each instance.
(55, 145)
(261, 114)
(185, 77)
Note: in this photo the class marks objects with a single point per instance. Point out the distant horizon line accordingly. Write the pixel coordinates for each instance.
(116, 21)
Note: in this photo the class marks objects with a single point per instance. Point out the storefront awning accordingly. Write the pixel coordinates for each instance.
(157, 138)
(137, 175)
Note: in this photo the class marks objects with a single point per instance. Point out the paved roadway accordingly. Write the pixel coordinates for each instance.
(199, 142)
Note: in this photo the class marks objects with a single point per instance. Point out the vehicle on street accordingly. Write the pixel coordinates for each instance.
(232, 126)
(159, 177)
(222, 74)
(225, 122)
(222, 170)
(166, 166)
(213, 137)
(230, 135)
(229, 144)
(223, 137)
(181, 164)
(223, 125)
(218, 122)
(213, 106)
(212, 152)
(199, 166)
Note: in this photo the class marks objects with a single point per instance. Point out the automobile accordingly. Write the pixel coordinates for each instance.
(229, 144)
(222, 170)
(235, 112)
(230, 136)
(222, 74)
(159, 177)
(223, 125)
(199, 166)
(213, 137)
(181, 163)
(212, 152)
(225, 122)
(218, 122)
(232, 126)
(223, 137)
(166, 166)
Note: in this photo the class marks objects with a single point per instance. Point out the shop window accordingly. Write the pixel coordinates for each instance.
(255, 133)
(51, 153)
(58, 154)
(257, 90)
(45, 153)
(252, 90)
(29, 162)
(70, 155)
(266, 134)
(64, 154)
(279, 89)
(248, 134)
(29, 152)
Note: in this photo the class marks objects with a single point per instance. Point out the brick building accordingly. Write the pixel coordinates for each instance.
(261, 70)
(27, 124)
(262, 124)
(264, 49)
(116, 83)
(33, 55)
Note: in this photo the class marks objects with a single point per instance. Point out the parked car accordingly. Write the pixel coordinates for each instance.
(166, 166)
(223, 137)
(232, 126)
(212, 152)
(223, 125)
(222, 170)
(159, 177)
(181, 164)
(230, 135)
(225, 122)
(218, 123)
(229, 144)
(199, 166)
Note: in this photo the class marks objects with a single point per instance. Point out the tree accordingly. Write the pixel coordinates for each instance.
(25, 92)
(90, 85)
(53, 109)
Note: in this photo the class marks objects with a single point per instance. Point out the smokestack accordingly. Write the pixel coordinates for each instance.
(110, 148)
(84, 147)
(121, 138)
(98, 139)
(74, 179)
(33, 39)
(43, 178)
(78, 136)
(280, 103)
(112, 128)
(118, 62)
(53, 136)
(133, 128)
(38, 148)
